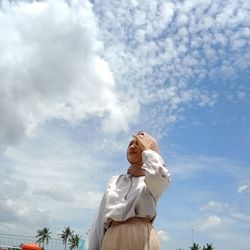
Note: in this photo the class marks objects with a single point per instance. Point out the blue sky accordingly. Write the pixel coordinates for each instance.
(78, 78)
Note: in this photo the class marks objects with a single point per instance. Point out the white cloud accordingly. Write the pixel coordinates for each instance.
(50, 69)
(18, 215)
(172, 44)
(186, 166)
(209, 222)
(164, 17)
(214, 206)
(56, 192)
(142, 57)
(13, 186)
(243, 188)
(163, 235)
(241, 216)
(56, 179)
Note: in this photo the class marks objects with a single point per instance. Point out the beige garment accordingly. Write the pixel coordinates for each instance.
(127, 196)
(134, 234)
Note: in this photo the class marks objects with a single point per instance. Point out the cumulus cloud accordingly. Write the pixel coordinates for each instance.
(50, 69)
(55, 180)
(72, 60)
(18, 214)
(209, 222)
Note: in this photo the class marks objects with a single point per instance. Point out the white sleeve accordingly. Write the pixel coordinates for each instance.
(97, 231)
(99, 227)
(157, 177)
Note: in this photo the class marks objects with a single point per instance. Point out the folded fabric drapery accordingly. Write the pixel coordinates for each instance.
(134, 234)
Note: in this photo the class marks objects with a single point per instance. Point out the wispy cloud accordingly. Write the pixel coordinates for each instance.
(208, 223)
(56, 192)
(163, 235)
(241, 216)
(243, 188)
(214, 206)
(186, 166)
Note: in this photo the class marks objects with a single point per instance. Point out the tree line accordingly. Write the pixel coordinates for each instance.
(67, 236)
(208, 246)
(195, 246)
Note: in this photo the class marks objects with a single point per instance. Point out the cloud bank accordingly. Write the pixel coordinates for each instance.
(166, 51)
(50, 69)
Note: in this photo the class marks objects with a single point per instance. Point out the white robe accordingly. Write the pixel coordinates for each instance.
(127, 196)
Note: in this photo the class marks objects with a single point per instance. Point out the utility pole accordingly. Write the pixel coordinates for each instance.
(192, 236)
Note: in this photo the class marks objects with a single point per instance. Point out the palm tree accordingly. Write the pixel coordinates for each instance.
(195, 247)
(74, 241)
(43, 236)
(66, 233)
(208, 247)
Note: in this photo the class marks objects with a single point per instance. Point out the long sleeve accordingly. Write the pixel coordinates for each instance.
(157, 177)
(127, 196)
(97, 231)
(101, 221)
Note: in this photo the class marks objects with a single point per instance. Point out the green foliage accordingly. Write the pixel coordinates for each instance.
(195, 246)
(208, 247)
(66, 233)
(43, 235)
(74, 241)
